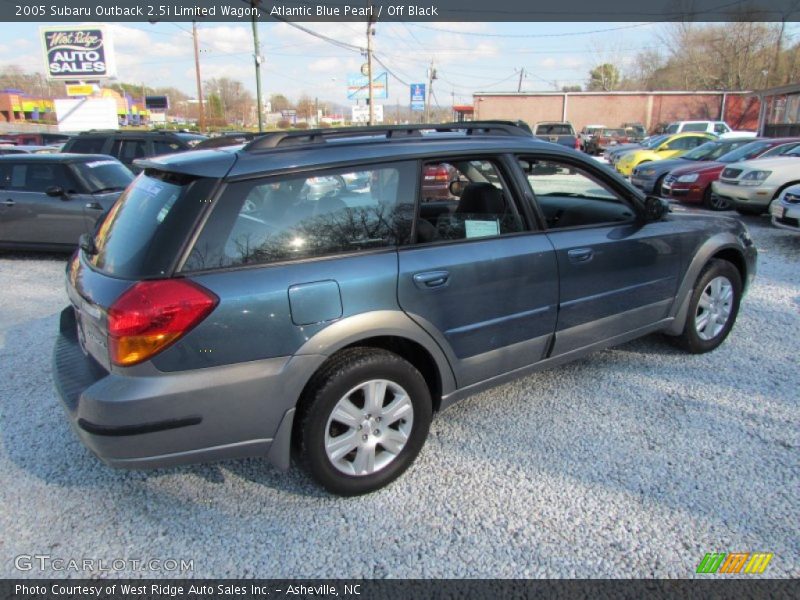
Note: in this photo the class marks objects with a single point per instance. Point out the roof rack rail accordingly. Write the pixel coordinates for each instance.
(390, 132)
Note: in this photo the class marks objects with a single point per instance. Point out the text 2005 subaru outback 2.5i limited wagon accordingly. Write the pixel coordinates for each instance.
(302, 292)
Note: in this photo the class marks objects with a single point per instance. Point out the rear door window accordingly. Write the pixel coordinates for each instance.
(317, 214)
(128, 150)
(473, 202)
(38, 177)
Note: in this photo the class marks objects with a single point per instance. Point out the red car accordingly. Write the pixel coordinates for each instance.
(692, 184)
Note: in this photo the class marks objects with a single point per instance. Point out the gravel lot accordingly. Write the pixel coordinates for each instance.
(634, 462)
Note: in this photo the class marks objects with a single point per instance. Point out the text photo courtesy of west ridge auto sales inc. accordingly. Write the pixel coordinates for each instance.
(376, 300)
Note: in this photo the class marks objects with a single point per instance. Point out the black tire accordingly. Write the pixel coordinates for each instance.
(332, 383)
(690, 339)
(659, 184)
(721, 203)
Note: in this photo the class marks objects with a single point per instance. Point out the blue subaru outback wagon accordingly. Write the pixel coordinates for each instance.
(305, 294)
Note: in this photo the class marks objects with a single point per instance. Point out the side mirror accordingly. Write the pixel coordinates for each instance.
(55, 191)
(457, 187)
(663, 148)
(655, 208)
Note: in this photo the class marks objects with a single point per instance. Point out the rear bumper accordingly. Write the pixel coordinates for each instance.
(154, 419)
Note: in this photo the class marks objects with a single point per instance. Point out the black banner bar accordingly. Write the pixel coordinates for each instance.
(398, 10)
(416, 589)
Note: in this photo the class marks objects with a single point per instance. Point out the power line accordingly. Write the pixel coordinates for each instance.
(531, 35)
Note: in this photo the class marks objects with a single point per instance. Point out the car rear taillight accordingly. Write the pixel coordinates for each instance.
(151, 315)
(577, 143)
(438, 173)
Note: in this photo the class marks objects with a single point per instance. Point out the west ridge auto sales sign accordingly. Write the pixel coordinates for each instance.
(78, 53)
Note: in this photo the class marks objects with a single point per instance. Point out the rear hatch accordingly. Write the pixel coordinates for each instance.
(141, 239)
(558, 133)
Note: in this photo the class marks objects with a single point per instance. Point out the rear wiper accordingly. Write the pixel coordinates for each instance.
(86, 243)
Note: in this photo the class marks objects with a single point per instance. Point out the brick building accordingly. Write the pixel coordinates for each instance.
(739, 109)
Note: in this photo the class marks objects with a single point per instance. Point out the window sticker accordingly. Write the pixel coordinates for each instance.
(99, 163)
(476, 229)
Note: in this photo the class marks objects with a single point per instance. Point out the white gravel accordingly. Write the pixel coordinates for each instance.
(634, 462)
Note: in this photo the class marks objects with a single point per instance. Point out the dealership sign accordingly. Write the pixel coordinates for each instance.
(78, 53)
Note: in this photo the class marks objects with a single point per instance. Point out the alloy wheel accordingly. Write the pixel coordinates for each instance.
(369, 427)
(714, 308)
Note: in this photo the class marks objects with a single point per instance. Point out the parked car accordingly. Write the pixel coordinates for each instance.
(649, 176)
(635, 132)
(752, 185)
(127, 146)
(206, 325)
(719, 128)
(14, 149)
(37, 139)
(691, 184)
(48, 200)
(612, 155)
(672, 147)
(226, 139)
(606, 138)
(558, 132)
(785, 212)
(586, 134)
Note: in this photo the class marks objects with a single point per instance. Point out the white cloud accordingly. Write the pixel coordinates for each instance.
(326, 65)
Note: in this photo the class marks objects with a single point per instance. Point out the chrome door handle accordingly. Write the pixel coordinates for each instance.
(431, 279)
(94, 205)
(580, 255)
(9, 202)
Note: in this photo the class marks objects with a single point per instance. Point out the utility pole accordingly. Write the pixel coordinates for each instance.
(521, 75)
(257, 58)
(431, 78)
(370, 33)
(201, 118)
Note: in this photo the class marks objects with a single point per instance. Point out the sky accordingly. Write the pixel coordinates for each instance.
(468, 57)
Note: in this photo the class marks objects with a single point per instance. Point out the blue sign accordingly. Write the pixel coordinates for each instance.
(417, 96)
(358, 87)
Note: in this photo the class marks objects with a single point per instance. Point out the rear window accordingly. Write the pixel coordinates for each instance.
(87, 145)
(695, 127)
(102, 175)
(554, 129)
(144, 231)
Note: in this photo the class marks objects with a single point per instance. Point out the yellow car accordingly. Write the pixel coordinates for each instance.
(672, 147)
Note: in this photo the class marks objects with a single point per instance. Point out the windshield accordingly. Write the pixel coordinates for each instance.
(794, 152)
(713, 150)
(654, 141)
(143, 232)
(672, 128)
(614, 132)
(781, 150)
(103, 175)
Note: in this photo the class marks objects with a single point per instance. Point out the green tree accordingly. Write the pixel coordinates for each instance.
(604, 78)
